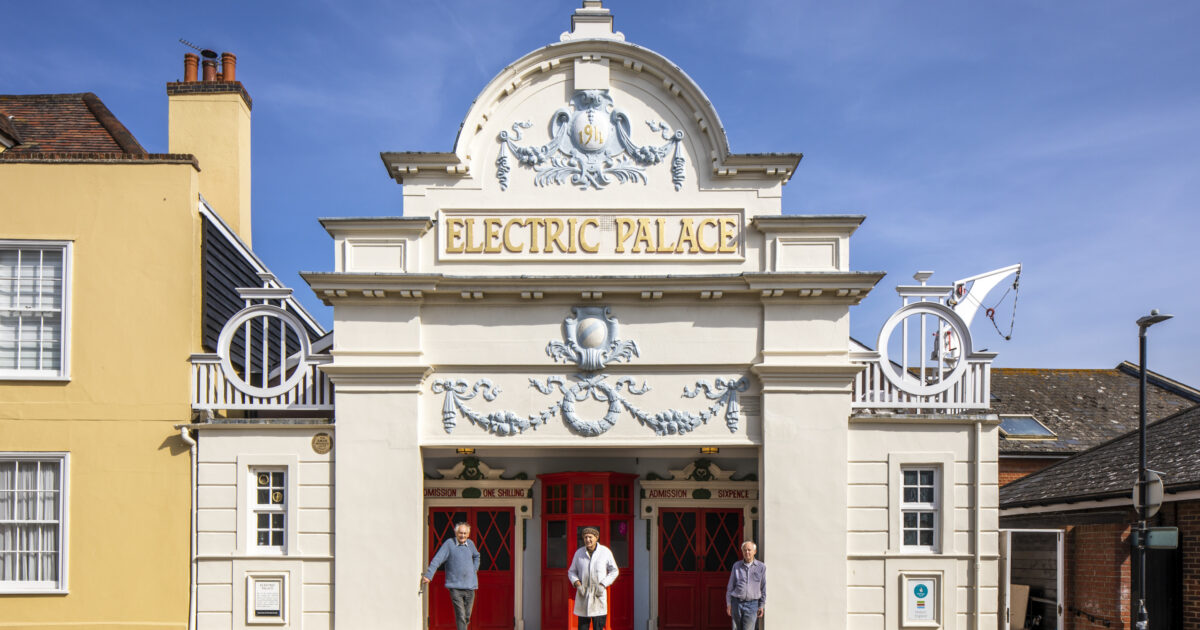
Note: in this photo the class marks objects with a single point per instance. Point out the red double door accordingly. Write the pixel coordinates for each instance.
(570, 502)
(492, 531)
(696, 551)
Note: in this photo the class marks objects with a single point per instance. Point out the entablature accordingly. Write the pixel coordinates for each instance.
(828, 287)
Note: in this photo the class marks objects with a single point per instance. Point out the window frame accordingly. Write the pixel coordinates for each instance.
(269, 509)
(1048, 436)
(933, 506)
(247, 540)
(63, 373)
(944, 482)
(58, 586)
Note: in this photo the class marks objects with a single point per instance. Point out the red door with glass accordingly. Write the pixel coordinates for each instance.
(492, 531)
(571, 502)
(696, 551)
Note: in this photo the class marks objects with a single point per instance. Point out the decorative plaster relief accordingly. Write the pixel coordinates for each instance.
(590, 146)
(590, 340)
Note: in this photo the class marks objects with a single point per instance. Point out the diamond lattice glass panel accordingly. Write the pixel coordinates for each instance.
(495, 550)
(677, 541)
(721, 537)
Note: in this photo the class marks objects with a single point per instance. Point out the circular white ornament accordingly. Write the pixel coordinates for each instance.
(589, 132)
(593, 331)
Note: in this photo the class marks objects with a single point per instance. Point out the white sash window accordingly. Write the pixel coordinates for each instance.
(919, 508)
(32, 522)
(34, 311)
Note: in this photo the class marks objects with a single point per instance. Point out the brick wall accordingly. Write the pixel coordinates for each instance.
(1098, 577)
(1188, 520)
(1013, 469)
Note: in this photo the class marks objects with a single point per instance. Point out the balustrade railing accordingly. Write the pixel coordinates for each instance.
(969, 391)
(264, 359)
(211, 390)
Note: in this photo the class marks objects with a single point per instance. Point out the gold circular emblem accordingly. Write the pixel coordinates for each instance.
(322, 443)
(277, 497)
(264, 480)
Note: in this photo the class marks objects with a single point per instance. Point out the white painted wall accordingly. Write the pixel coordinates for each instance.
(225, 557)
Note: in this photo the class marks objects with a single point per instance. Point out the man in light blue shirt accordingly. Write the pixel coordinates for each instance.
(746, 593)
(462, 562)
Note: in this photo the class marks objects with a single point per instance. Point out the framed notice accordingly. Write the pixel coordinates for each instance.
(922, 600)
(266, 599)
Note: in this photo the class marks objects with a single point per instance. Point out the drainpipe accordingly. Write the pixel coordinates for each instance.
(186, 436)
(977, 489)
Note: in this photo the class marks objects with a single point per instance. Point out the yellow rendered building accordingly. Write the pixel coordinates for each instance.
(114, 264)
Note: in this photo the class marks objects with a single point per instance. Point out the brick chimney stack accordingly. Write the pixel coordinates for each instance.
(209, 117)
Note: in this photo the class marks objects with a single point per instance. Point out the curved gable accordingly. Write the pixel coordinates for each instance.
(598, 115)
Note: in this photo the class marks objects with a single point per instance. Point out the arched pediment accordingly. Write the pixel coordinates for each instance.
(591, 111)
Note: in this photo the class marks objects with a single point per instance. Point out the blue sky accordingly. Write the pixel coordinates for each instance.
(1062, 135)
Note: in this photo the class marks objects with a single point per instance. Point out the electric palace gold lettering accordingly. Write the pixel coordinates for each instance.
(582, 235)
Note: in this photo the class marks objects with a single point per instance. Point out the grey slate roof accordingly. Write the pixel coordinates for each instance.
(1083, 408)
(1110, 470)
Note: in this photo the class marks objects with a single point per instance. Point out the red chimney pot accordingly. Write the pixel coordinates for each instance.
(210, 70)
(228, 67)
(190, 60)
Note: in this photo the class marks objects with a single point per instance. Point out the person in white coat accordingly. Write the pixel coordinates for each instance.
(592, 571)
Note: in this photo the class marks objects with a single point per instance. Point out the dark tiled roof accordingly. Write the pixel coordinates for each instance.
(65, 123)
(1110, 470)
(1082, 407)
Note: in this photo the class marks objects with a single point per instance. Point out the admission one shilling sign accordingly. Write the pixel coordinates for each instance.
(574, 235)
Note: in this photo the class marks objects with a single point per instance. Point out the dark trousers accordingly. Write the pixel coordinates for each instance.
(597, 623)
(463, 600)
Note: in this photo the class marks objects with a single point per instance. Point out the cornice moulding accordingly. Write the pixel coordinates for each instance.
(375, 377)
(376, 226)
(806, 379)
(788, 224)
(826, 287)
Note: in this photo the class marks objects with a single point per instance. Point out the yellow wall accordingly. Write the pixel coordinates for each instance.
(215, 127)
(134, 319)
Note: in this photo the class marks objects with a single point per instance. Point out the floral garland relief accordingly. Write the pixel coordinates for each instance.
(591, 145)
(590, 341)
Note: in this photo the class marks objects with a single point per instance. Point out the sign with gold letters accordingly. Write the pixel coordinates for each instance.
(572, 235)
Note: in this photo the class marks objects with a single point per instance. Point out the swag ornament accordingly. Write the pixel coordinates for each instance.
(590, 340)
(591, 145)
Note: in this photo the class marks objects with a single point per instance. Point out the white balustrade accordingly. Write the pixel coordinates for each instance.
(264, 359)
(211, 390)
(971, 390)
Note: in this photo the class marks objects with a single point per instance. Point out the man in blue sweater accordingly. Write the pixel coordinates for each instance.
(462, 562)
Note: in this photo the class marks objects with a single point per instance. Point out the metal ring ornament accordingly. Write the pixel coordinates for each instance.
(225, 346)
(957, 326)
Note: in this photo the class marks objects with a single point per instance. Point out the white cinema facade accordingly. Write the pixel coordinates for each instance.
(593, 314)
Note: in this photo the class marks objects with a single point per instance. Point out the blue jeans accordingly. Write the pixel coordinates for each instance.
(745, 614)
(463, 600)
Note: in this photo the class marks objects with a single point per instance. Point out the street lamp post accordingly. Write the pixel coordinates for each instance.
(1143, 621)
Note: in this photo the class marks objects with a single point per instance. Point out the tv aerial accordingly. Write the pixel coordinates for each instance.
(204, 52)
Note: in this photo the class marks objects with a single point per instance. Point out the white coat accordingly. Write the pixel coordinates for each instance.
(596, 573)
